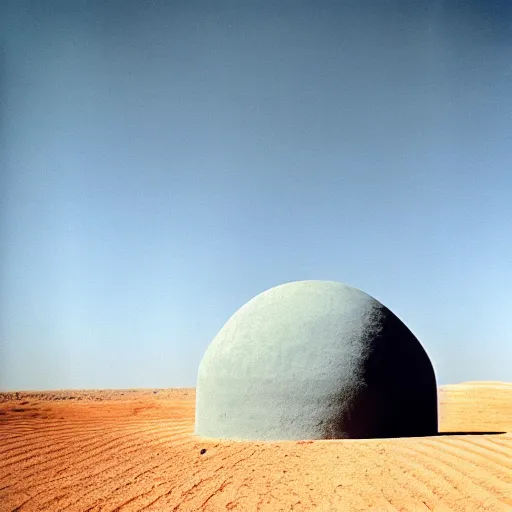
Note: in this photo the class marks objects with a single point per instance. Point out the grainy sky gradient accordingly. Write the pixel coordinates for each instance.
(164, 162)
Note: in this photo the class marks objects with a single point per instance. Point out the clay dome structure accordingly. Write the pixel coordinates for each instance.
(315, 360)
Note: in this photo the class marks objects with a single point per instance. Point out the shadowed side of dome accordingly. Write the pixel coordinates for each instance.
(315, 360)
(398, 396)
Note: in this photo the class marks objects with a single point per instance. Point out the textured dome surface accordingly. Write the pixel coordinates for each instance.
(315, 360)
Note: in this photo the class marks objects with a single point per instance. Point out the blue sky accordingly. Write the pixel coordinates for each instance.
(164, 162)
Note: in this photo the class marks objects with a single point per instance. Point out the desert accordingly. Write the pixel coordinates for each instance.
(131, 450)
(255, 256)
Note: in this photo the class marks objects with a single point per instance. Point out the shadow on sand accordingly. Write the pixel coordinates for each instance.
(468, 433)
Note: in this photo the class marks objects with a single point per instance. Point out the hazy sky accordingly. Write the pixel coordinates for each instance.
(164, 162)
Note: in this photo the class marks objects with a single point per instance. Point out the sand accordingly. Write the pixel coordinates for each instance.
(128, 450)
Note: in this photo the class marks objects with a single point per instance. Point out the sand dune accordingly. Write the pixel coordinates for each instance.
(130, 450)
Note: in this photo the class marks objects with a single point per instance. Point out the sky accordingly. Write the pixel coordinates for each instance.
(164, 162)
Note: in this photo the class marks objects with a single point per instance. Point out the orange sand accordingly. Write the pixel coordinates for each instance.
(135, 450)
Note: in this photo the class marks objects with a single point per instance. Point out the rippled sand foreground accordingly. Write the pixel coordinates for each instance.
(130, 450)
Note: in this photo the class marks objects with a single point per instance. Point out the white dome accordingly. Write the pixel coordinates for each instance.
(315, 360)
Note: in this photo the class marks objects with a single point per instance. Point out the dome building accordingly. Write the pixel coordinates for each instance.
(315, 360)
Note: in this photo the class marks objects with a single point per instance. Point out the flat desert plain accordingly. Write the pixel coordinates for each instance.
(130, 450)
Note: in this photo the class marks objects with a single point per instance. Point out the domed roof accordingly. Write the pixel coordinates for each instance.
(315, 360)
